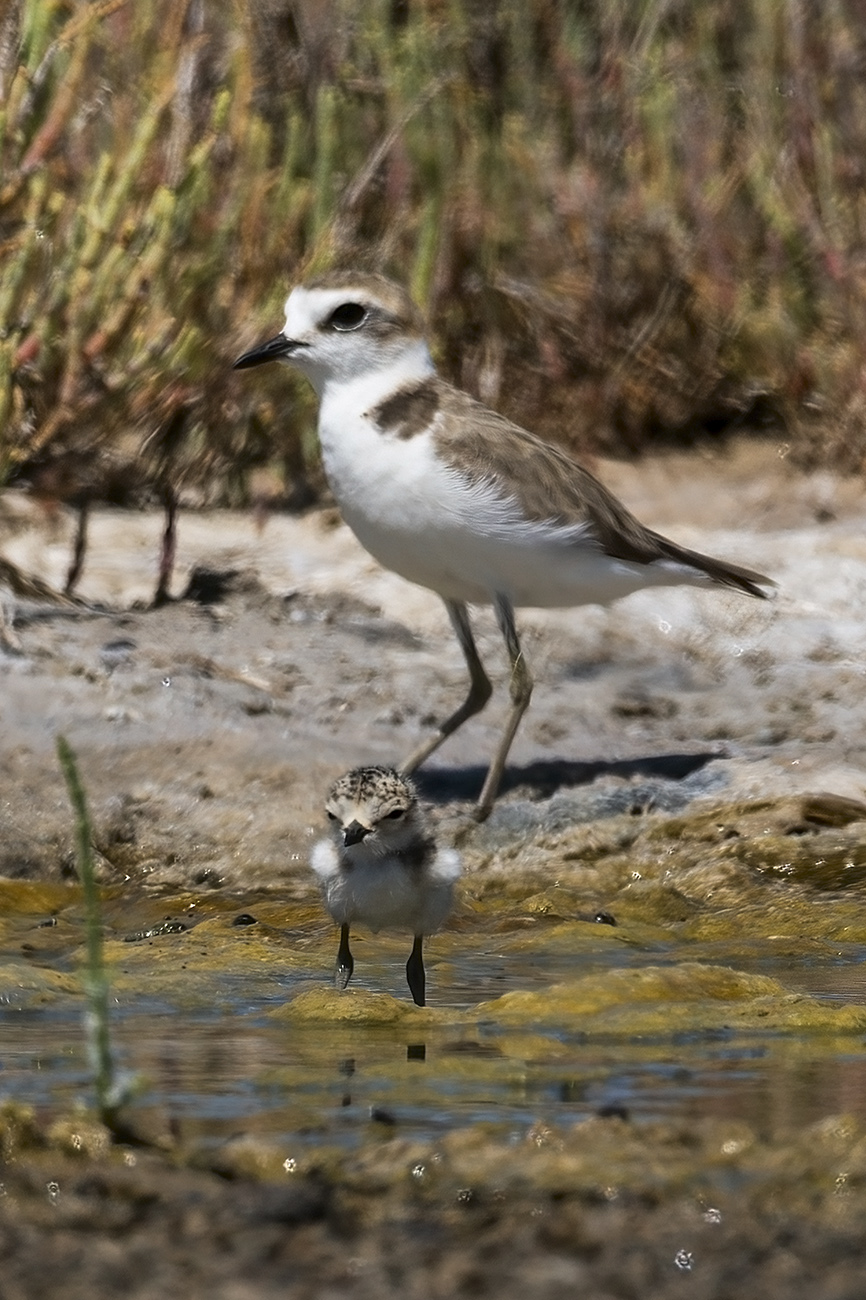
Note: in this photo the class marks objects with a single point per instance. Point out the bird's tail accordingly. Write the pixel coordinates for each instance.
(719, 571)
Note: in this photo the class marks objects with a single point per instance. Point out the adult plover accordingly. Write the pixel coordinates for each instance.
(382, 867)
(455, 497)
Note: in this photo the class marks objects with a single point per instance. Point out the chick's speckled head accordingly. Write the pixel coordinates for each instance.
(374, 807)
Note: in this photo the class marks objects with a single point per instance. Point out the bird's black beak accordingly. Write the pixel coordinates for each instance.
(273, 350)
(354, 833)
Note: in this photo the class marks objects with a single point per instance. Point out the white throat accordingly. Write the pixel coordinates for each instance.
(375, 382)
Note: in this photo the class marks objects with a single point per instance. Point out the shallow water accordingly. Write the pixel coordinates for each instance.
(210, 1073)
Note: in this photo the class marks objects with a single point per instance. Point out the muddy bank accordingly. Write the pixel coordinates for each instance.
(548, 1213)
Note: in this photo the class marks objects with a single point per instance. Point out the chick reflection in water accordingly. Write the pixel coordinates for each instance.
(381, 866)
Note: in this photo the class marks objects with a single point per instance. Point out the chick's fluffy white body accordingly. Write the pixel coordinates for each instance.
(381, 891)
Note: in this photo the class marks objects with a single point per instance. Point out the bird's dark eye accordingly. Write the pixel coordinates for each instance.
(348, 316)
(398, 812)
(332, 817)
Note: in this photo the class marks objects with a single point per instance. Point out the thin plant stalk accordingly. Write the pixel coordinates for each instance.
(95, 977)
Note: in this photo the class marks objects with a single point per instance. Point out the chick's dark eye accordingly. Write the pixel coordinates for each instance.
(348, 316)
(398, 812)
(332, 817)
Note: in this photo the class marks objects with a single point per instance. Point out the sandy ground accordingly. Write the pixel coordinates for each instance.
(208, 732)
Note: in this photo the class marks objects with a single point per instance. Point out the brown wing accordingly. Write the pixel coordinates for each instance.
(550, 486)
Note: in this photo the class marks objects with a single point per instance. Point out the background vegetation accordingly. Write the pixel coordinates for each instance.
(629, 220)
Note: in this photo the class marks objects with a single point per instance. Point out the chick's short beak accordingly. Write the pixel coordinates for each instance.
(354, 833)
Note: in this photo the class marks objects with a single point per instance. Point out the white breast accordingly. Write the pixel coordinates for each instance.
(467, 541)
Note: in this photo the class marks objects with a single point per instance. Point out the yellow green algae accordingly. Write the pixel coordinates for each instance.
(25, 985)
(187, 964)
(327, 1005)
(654, 1001)
(658, 1001)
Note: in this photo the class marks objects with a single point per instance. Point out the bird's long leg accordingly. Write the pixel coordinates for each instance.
(521, 694)
(345, 962)
(479, 688)
(415, 972)
(79, 548)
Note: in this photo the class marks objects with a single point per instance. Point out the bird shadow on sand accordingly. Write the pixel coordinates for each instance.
(544, 777)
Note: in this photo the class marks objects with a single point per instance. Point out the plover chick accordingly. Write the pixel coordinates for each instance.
(455, 497)
(381, 866)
